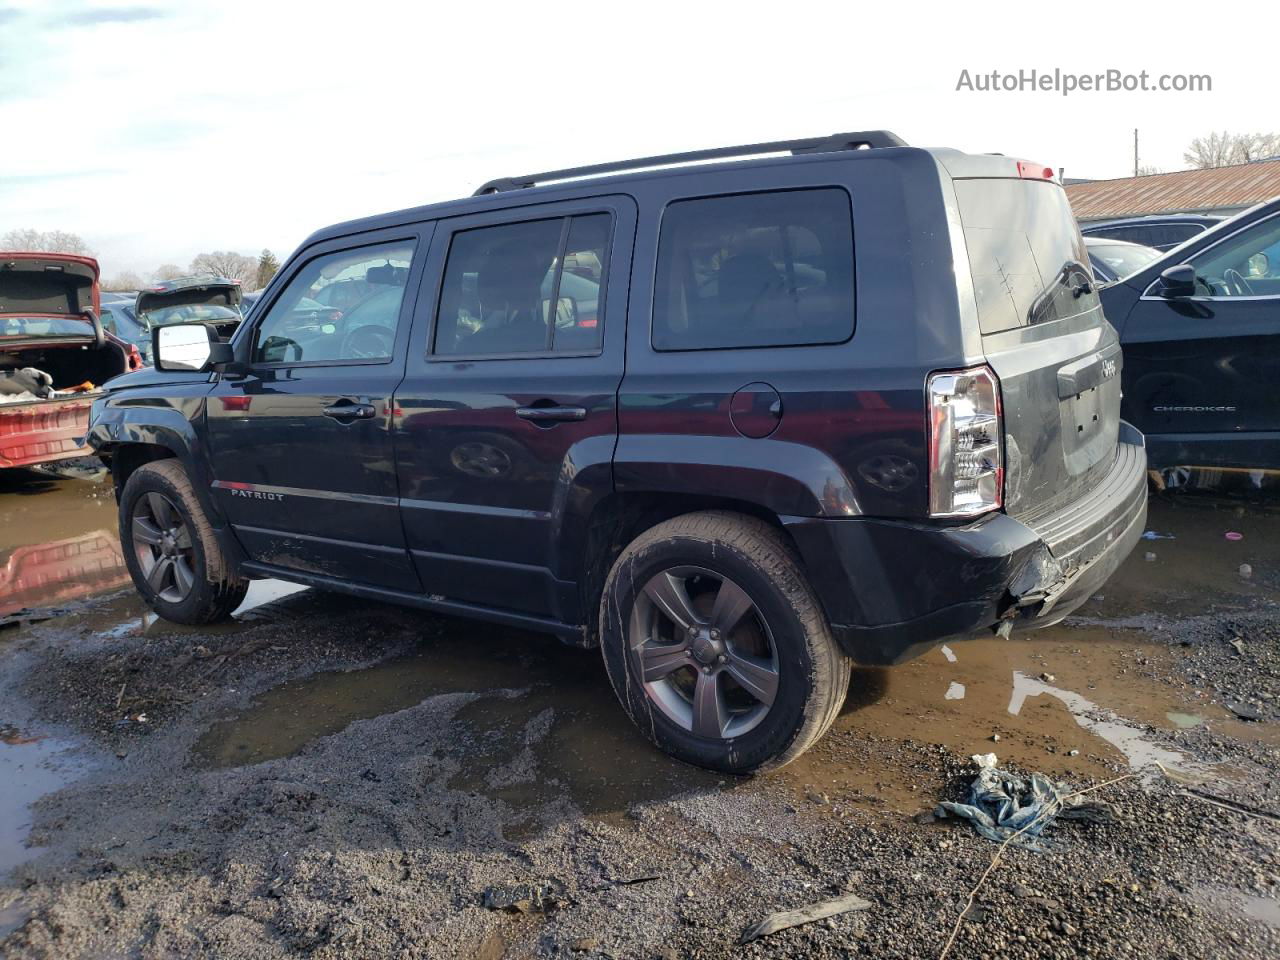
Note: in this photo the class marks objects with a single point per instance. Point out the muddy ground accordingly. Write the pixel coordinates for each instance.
(334, 778)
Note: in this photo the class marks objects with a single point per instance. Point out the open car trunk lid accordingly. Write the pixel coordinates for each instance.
(1045, 336)
(48, 308)
(206, 299)
(55, 287)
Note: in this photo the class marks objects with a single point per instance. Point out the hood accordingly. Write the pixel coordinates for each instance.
(151, 377)
(185, 291)
(43, 284)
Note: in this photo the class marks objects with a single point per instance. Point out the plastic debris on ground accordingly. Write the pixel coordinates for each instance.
(1000, 804)
(786, 919)
(1233, 535)
(1152, 535)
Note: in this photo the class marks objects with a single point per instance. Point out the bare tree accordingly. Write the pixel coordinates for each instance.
(1224, 149)
(45, 241)
(1256, 146)
(225, 263)
(124, 280)
(1215, 150)
(1147, 170)
(167, 271)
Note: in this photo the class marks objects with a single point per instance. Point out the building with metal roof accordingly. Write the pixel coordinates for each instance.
(1220, 190)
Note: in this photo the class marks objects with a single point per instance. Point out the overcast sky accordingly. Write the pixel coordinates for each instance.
(158, 130)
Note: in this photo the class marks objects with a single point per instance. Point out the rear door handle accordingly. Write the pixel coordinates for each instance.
(551, 414)
(347, 410)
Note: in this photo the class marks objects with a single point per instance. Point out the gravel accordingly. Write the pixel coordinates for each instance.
(456, 825)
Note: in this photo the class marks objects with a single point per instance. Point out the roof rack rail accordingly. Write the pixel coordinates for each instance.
(861, 140)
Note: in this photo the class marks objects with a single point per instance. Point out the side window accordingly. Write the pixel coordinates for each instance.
(1245, 265)
(534, 287)
(108, 318)
(1148, 236)
(755, 270)
(1173, 234)
(305, 324)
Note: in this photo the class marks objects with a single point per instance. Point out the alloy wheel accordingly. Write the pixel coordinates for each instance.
(163, 546)
(704, 652)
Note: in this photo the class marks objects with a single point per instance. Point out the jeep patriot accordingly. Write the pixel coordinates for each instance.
(739, 417)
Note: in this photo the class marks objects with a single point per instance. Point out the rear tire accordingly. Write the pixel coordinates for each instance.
(716, 646)
(171, 550)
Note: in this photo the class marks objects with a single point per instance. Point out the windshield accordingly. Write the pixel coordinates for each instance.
(1124, 259)
(189, 313)
(26, 327)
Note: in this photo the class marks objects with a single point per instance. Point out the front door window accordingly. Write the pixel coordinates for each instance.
(1246, 265)
(339, 308)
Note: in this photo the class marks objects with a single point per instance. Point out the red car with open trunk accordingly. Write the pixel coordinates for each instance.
(49, 305)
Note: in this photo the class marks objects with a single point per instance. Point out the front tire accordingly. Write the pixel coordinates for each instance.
(715, 645)
(171, 550)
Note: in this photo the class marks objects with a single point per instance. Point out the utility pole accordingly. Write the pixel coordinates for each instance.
(1135, 151)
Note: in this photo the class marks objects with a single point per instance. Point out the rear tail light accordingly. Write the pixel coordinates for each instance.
(966, 462)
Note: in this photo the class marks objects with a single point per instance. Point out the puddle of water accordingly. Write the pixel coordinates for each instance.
(588, 751)
(565, 735)
(58, 542)
(31, 766)
(1096, 704)
(127, 615)
(1139, 751)
(1184, 721)
(1197, 569)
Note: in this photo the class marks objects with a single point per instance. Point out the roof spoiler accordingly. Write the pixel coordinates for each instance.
(861, 140)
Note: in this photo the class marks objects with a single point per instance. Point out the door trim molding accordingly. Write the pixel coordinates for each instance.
(267, 491)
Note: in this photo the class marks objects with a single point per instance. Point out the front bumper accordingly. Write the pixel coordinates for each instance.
(894, 589)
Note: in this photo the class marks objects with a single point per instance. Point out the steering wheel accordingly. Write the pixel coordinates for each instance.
(1236, 283)
(368, 342)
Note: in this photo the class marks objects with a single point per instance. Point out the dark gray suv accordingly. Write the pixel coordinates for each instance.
(739, 424)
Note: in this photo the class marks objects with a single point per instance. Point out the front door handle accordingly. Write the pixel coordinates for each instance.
(551, 414)
(344, 411)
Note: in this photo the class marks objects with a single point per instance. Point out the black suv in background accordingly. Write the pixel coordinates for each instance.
(1201, 334)
(738, 424)
(1164, 232)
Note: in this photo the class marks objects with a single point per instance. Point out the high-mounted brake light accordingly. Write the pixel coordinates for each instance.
(966, 459)
(1034, 171)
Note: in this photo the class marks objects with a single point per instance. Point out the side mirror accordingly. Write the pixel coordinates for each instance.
(1178, 281)
(188, 346)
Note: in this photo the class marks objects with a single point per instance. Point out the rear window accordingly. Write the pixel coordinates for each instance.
(24, 327)
(755, 270)
(1026, 255)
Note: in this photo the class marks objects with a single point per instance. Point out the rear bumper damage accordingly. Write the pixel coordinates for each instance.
(893, 589)
(44, 431)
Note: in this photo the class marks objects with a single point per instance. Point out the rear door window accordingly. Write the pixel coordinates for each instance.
(1026, 255)
(529, 288)
(755, 270)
